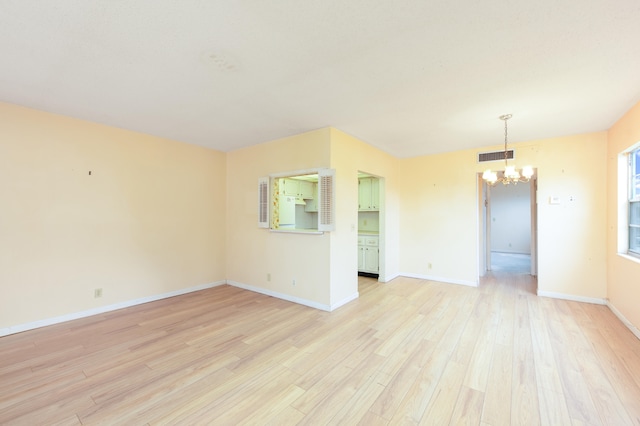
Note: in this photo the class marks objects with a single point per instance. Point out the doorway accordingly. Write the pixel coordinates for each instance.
(371, 225)
(508, 231)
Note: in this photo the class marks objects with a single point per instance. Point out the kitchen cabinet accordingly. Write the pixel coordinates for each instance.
(368, 194)
(297, 188)
(368, 254)
(289, 187)
(305, 189)
(311, 205)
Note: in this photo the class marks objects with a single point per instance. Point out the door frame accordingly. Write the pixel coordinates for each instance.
(484, 225)
(382, 223)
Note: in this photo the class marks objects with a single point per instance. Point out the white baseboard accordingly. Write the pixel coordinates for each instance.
(102, 309)
(388, 278)
(282, 296)
(510, 252)
(440, 279)
(344, 301)
(624, 320)
(573, 298)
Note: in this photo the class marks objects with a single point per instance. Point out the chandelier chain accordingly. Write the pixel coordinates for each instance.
(505, 140)
(510, 174)
(504, 118)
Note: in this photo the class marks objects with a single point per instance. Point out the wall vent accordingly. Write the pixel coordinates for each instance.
(495, 156)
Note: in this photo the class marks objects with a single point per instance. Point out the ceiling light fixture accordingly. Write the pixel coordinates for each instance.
(510, 174)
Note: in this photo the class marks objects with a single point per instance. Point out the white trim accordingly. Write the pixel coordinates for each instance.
(296, 231)
(283, 296)
(440, 279)
(264, 202)
(326, 200)
(294, 173)
(102, 309)
(624, 320)
(629, 257)
(344, 301)
(387, 278)
(572, 297)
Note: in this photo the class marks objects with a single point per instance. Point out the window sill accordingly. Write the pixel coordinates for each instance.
(297, 231)
(630, 257)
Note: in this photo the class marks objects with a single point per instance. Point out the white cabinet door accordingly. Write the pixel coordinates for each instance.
(289, 187)
(311, 205)
(297, 188)
(361, 251)
(375, 194)
(305, 189)
(368, 194)
(368, 254)
(364, 194)
(371, 259)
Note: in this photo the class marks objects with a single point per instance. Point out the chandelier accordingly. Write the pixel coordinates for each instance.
(510, 174)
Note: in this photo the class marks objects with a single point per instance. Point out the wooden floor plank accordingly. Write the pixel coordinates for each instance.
(575, 388)
(406, 352)
(525, 404)
(441, 405)
(497, 400)
(357, 406)
(395, 391)
(553, 407)
(468, 409)
(620, 377)
(416, 400)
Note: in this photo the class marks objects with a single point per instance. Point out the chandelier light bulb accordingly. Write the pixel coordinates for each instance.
(489, 176)
(511, 173)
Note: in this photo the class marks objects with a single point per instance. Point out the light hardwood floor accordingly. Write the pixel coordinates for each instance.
(405, 352)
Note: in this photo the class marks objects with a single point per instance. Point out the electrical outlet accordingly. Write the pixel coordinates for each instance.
(97, 293)
(268, 277)
(293, 283)
(429, 265)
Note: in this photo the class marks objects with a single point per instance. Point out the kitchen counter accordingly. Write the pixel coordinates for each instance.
(297, 231)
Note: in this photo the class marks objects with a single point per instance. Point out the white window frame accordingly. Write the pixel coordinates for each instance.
(326, 200)
(625, 199)
(633, 198)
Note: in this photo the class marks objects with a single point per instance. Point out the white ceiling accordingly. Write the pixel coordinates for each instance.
(410, 77)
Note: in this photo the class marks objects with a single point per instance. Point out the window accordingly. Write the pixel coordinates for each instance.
(297, 202)
(634, 201)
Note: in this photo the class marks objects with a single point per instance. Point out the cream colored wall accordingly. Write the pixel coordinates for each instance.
(252, 252)
(157, 216)
(623, 274)
(572, 235)
(439, 217)
(150, 219)
(348, 156)
(324, 266)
